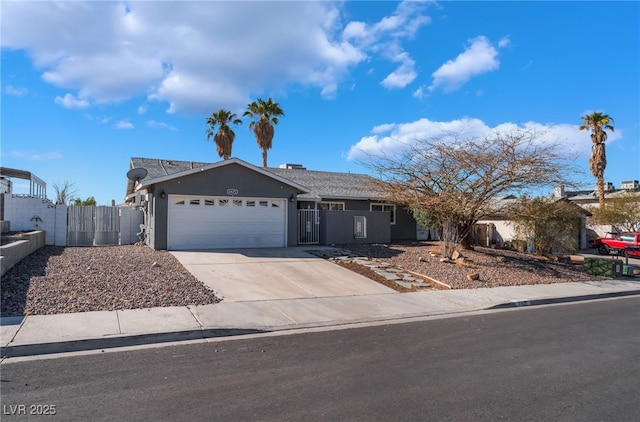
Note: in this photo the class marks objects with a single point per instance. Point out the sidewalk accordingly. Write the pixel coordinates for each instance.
(44, 334)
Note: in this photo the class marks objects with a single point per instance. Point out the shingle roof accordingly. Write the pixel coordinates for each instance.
(330, 185)
(157, 167)
(321, 184)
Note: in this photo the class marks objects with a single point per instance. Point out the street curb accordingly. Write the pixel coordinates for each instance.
(21, 350)
(525, 302)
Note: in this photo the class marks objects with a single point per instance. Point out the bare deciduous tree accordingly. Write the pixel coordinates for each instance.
(456, 182)
(64, 192)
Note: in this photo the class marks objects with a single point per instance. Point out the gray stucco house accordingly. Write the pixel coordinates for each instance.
(234, 204)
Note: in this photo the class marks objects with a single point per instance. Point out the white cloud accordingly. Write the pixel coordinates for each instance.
(14, 91)
(40, 156)
(419, 93)
(391, 138)
(199, 56)
(142, 109)
(505, 41)
(478, 58)
(124, 124)
(384, 37)
(160, 125)
(71, 102)
(101, 119)
(403, 75)
(45, 156)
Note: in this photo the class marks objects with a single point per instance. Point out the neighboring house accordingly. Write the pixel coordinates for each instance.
(498, 229)
(588, 199)
(495, 229)
(234, 204)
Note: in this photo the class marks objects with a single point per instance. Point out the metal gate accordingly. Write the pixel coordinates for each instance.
(308, 227)
(89, 226)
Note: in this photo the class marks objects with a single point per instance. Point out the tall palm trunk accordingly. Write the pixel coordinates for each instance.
(598, 161)
(264, 132)
(597, 164)
(598, 122)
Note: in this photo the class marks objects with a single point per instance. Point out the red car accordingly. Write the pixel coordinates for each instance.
(619, 244)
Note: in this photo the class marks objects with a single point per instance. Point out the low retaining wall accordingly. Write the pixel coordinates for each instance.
(14, 252)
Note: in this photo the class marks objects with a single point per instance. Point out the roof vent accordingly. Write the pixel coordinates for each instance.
(289, 166)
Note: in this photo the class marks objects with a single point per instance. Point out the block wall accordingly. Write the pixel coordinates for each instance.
(28, 214)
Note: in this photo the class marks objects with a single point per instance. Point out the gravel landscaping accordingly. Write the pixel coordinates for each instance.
(494, 267)
(57, 280)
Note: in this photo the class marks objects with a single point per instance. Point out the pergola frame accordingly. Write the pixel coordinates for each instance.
(37, 186)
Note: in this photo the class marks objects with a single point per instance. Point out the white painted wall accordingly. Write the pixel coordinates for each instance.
(27, 213)
(502, 229)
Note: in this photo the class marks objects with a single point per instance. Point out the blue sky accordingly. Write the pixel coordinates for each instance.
(88, 85)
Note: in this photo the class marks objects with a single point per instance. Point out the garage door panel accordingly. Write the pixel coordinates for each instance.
(213, 223)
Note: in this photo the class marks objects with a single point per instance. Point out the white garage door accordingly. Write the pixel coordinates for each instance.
(207, 222)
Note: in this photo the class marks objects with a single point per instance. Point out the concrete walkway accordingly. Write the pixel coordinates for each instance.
(44, 334)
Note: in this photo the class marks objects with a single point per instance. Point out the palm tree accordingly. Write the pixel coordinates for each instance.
(264, 114)
(597, 122)
(224, 136)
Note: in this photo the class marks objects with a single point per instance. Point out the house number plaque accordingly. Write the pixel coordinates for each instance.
(232, 192)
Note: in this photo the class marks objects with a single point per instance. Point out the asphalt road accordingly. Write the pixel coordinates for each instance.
(572, 362)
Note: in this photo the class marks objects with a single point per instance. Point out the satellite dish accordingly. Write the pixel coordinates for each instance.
(137, 174)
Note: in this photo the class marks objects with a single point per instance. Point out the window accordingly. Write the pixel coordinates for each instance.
(223, 202)
(251, 203)
(237, 202)
(386, 207)
(194, 202)
(178, 200)
(331, 206)
(209, 202)
(360, 227)
(275, 204)
(264, 203)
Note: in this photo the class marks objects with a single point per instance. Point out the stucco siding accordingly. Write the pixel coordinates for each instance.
(337, 227)
(217, 182)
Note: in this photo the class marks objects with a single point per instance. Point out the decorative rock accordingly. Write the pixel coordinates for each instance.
(473, 276)
(455, 255)
(404, 284)
(388, 276)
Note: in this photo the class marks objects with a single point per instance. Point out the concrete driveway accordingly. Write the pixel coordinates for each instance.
(238, 275)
